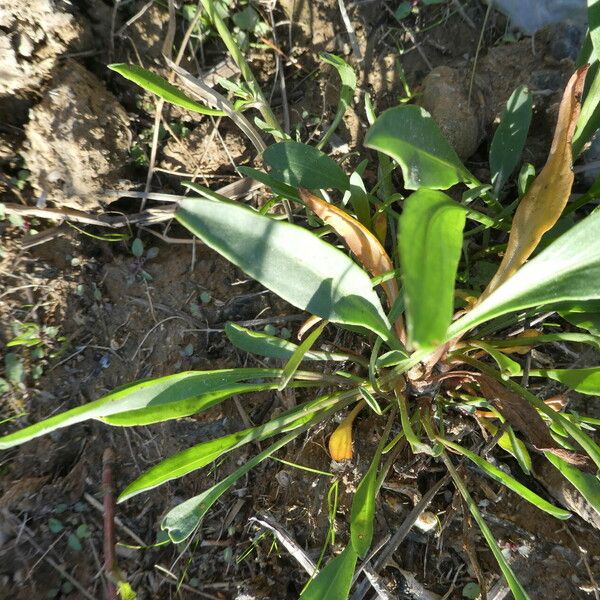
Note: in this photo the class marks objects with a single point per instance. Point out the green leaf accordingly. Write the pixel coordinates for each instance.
(513, 583)
(584, 381)
(294, 362)
(295, 264)
(509, 138)
(14, 370)
(580, 338)
(137, 247)
(508, 481)
(155, 84)
(411, 137)
(363, 510)
(585, 315)
(202, 454)
(278, 187)
(271, 346)
(594, 24)
(348, 78)
(589, 117)
(183, 407)
(151, 394)
(404, 9)
(180, 522)
(430, 242)
(507, 365)
(300, 165)
(525, 179)
(370, 400)
(54, 525)
(586, 483)
(334, 580)
(567, 270)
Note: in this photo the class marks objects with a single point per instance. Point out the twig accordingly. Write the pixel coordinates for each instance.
(108, 459)
(288, 542)
(350, 31)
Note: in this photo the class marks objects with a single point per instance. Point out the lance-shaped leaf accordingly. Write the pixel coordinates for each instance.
(430, 241)
(174, 394)
(365, 246)
(508, 481)
(334, 580)
(180, 522)
(289, 260)
(162, 88)
(584, 381)
(587, 484)
(566, 271)
(272, 346)
(547, 196)
(411, 137)
(301, 165)
(509, 138)
(200, 455)
(348, 79)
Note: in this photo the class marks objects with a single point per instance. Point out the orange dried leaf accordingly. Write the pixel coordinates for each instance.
(547, 196)
(340, 442)
(365, 246)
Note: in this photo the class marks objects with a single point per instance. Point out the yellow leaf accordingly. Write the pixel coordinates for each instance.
(547, 196)
(365, 246)
(340, 442)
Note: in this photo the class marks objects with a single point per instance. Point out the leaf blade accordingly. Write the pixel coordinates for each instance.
(542, 205)
(334, 580)
(509, 138)
(430, 242)
(326, 282)
(162, 88)
(411, 137)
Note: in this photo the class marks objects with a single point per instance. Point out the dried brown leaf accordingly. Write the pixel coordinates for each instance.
(359, 240)
(525, 418)
(547, 196)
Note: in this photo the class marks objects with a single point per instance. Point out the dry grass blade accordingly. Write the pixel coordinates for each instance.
(545, 200)
(359, 240)
(524, 417)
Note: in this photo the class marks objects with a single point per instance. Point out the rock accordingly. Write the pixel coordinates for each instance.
(77, 140)
(33, 35)
(445, 97)
(531, 15)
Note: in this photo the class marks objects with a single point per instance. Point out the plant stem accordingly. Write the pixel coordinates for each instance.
(244, 67)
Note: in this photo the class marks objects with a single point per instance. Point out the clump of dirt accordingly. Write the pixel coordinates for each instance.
(446, 98)
(33, 35)
(208, 149)
(77, 139)
(315, 22)
(149, 32)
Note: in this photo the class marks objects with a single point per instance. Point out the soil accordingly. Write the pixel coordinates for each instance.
(71, 133)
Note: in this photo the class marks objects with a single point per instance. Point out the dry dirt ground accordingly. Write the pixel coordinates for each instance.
(71, 133)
